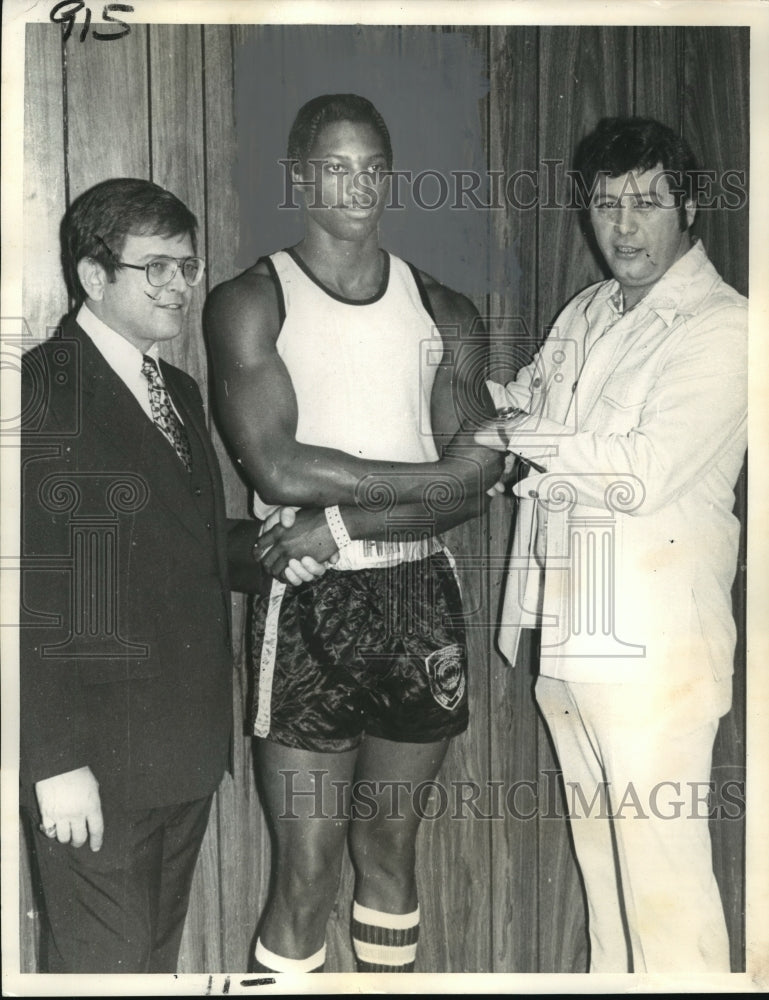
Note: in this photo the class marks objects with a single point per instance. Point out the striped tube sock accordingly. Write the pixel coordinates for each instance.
(268, 961)
(384, 942)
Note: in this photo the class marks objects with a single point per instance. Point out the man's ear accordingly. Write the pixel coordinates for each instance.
(92, 277)
(306, 184)
(691, 211)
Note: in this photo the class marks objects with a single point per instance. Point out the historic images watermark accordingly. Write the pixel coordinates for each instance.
(318, 796)
(553, 185)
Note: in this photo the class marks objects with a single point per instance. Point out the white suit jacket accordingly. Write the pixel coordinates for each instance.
(625, 547)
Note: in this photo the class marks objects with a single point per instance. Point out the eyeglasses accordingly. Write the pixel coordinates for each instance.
(161, 270)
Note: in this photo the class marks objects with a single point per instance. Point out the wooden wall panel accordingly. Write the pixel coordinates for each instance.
(513, 896)
(176, 117)
(244, 860)
(107, 109)
(657, 76)
(584, 75)
(716, 122)
(453, 859)
(43, 291)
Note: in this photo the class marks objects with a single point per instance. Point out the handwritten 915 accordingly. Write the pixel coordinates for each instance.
(66, 13)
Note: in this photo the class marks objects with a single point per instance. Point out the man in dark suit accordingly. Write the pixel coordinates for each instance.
(126, 665)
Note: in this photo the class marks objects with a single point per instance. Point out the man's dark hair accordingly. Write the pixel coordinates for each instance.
(100, 219)
(620, 145)
(328, 108)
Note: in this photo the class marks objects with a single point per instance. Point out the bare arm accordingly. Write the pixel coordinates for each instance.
(460, 401)
(257, 410)
(446, 496)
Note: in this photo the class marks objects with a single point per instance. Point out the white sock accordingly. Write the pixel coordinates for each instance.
(384, 942)
(279, 963)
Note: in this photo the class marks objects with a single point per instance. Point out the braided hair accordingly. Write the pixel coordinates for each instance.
(328, 108)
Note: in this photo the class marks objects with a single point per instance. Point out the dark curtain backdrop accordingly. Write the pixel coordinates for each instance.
(203, 111)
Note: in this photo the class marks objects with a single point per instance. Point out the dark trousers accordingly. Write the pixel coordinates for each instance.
(121, 909)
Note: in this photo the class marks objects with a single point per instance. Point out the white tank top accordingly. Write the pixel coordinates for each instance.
(362, 370)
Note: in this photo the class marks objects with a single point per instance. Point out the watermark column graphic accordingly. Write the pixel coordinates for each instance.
(589, 560)
(94, 503)
(77, 513)
(24, 413)
(408, 612)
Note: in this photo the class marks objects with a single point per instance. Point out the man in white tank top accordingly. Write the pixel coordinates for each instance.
(338, 398)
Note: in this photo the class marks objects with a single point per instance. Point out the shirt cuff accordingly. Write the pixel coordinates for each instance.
(535, 438)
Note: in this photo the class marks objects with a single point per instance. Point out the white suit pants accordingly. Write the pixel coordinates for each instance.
(636, 762)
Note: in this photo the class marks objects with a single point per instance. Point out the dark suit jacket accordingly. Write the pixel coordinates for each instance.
(125, 642)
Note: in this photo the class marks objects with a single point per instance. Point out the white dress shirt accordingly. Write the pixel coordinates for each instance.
(122, 357)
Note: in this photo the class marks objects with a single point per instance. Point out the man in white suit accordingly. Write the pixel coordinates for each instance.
(625, 550)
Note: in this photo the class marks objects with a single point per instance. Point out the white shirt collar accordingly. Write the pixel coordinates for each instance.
(667, 297)
(119, 353)
(123, 358)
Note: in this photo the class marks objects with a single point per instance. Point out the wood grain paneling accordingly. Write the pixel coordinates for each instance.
(244, 860)
(453, 857)
(515, 333)
(176, 112)
(657, 73)
(107, 109)
(716, 120)
(43, 291)
(584, 74)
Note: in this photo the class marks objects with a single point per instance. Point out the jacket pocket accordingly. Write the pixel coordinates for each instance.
(625, 392)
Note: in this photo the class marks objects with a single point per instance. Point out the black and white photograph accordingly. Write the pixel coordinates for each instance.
(382, 570)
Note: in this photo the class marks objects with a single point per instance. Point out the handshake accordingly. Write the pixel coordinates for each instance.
(285, 524)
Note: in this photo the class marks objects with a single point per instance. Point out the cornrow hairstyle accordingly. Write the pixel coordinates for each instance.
(98, 221)
(328, 108)
(620, 145)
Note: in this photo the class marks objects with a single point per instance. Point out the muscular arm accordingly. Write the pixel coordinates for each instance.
(445, 493)
(257, 410)
(459, 401)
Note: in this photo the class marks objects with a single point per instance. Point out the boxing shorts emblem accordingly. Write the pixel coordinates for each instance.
(446, 676)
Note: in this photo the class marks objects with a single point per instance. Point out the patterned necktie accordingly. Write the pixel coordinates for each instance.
(163, 413)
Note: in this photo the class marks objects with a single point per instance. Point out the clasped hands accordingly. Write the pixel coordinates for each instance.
(296, 546)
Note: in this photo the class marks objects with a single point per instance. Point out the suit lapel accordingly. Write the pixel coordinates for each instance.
(188, 405)
(131, 438)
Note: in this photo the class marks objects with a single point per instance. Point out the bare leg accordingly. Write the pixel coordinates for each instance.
(383, 845)
(306, 799)
(385, 917)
